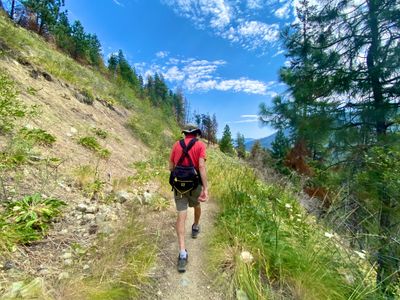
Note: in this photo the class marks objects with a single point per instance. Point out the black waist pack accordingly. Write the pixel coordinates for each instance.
(185, 179)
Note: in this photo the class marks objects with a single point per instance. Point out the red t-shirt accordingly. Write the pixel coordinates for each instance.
(198, 151)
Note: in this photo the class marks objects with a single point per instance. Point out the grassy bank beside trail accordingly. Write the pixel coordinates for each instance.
(269, 248)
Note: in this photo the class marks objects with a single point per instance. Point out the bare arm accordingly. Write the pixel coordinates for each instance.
(203, 175)
(171, 165)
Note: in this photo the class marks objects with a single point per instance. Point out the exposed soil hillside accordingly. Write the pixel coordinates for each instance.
(61, 111)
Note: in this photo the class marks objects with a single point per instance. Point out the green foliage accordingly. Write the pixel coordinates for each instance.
(91, 143)
(225, 144)
(342, 103)
(280, 146)
(293, 257)
(103, 134)
(88, 96)
(11, 108)
(37, 136)
(28, 219)
(46, 11)
(240, 146)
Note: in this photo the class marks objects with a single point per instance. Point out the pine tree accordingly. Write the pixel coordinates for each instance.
(80, 42)
(240, 146)
(280, 146)
(344, 84)
(225, 144)
(62, 31)
(94, 50)
(113, 64)
(214, 129)
(47, 12)
(179, 106)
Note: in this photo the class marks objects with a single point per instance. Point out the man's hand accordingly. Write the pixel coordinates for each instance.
(203, 195)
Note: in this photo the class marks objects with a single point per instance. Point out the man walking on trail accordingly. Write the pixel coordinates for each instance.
(188, 154)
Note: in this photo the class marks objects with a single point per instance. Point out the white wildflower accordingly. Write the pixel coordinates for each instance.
(328, 235)
(288, 206)
(360, 254)
(246, 257)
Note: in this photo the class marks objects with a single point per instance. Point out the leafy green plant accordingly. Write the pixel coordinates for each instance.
(103, 134)
(34, 211)
(38, 136)
(92, 144)
(28, 219)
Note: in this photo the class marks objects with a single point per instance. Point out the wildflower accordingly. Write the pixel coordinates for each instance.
(328, 235)
(246, 257)
(288, 206)
(360, 254)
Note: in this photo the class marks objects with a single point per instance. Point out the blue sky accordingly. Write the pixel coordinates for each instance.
(224, 54)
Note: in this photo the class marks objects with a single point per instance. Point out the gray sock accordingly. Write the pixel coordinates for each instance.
(182, 253)
(196, 227)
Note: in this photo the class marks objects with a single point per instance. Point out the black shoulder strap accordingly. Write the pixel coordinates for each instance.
(185, 151)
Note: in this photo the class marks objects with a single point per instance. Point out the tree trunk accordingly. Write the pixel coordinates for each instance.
(387, 261)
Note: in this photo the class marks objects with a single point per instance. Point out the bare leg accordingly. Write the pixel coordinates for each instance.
(180, 229)
(197, 214)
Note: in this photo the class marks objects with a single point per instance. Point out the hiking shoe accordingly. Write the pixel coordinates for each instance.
(195, 231)
(182, 262)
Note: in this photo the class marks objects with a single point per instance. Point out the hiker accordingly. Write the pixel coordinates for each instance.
(189, 182)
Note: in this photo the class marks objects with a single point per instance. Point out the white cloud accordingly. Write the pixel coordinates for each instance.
(283, 12)
(254, 4)
(174, 74)
(249, 116)
(216, 12)
(118, 3)
(202, 76)
(162, 54)
(279, 52)
(247, 119)
(227, 19)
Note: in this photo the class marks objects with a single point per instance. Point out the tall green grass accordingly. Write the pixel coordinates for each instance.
(294, 258)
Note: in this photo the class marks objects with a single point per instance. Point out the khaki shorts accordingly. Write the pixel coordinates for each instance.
(189, 198)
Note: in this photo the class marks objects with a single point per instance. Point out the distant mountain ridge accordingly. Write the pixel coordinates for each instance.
(265, 142)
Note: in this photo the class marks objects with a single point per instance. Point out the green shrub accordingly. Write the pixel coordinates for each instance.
(92, 144)
(38, 136)
(88, 97)
(28, 219)
(103, 134)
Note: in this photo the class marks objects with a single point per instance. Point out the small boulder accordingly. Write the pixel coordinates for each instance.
(66, 255)
(92, 209)
(123, 196)
(81, 207)
(63, 275)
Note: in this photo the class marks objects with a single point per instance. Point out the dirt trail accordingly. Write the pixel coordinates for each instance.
(195, 283)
